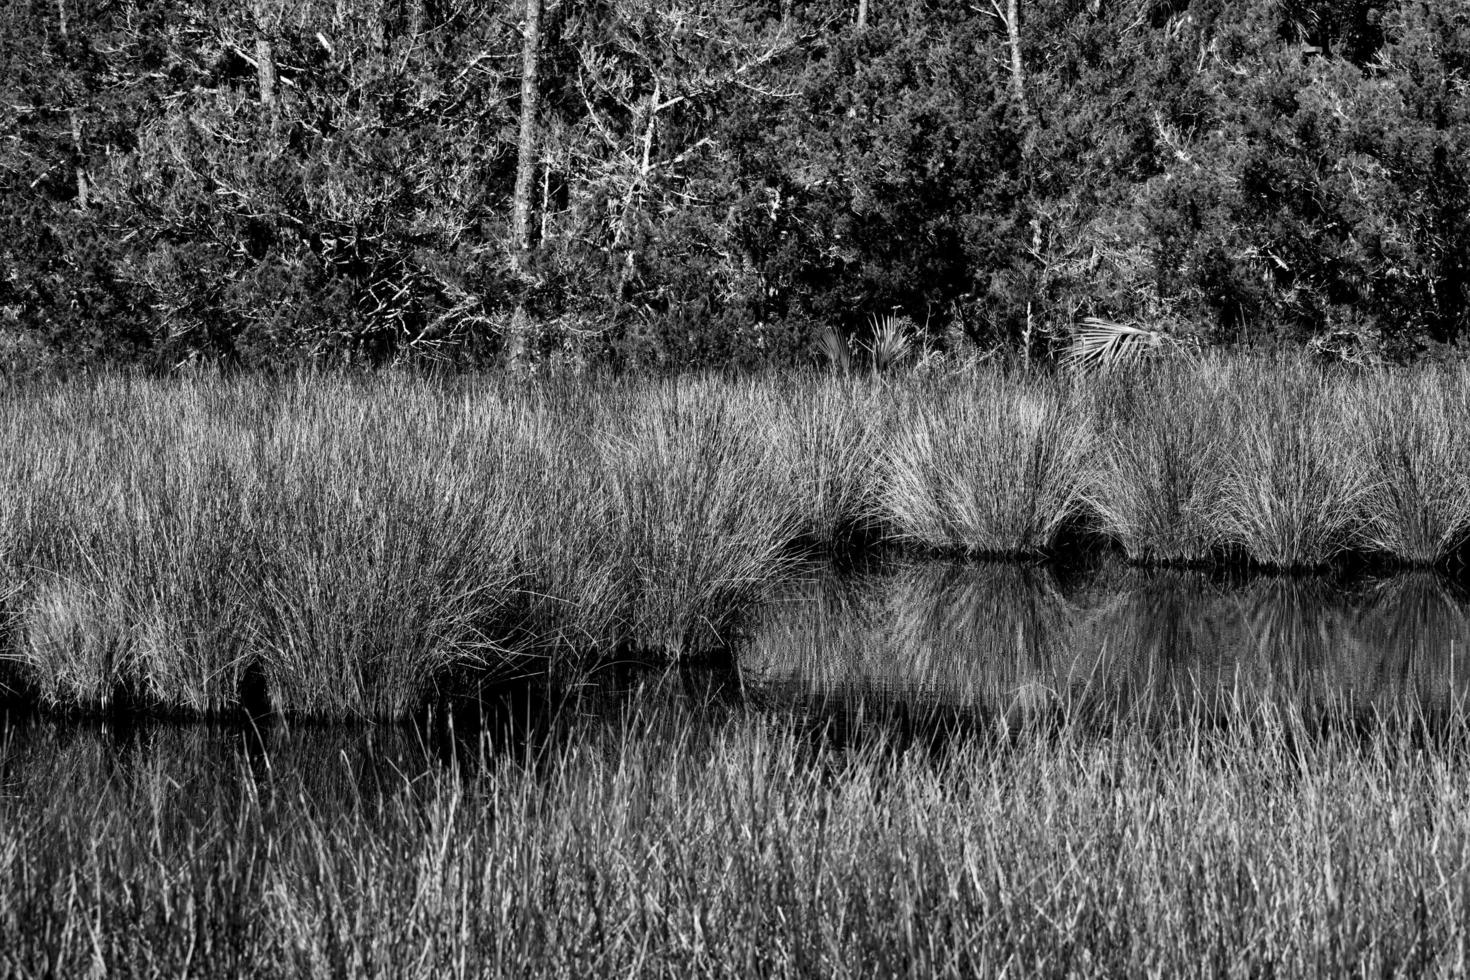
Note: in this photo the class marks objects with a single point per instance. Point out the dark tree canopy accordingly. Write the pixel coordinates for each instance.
(718, 182)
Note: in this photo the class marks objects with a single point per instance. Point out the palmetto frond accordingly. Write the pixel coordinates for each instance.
(835, 351)
(892, 341)
(1101, 344)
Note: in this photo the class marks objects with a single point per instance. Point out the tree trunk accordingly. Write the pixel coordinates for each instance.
(83, 195)
(862, 20)
(265, 55)
(636, 187)
(76, 124)
(1013, 33)
(526, 148)
(265, 71)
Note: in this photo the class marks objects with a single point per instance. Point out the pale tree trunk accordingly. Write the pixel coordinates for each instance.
(265, 71)
(637, 187)
(862, 20)
(265, 56)
(520, 211)
(1013, 34)
(83, 192)
(527, 145)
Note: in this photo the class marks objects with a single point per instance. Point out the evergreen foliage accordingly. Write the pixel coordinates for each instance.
(255, 182)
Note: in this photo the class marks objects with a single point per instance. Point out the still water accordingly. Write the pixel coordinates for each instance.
(1010, 641)
(913, 649)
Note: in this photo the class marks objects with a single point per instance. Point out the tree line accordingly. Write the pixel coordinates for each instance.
(671, 183)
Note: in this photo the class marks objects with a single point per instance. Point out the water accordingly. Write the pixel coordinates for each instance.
(1009, 642)
(913, 649)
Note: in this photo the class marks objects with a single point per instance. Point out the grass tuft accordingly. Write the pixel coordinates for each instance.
(1292, 491)
(1416, 449)
(992, 467)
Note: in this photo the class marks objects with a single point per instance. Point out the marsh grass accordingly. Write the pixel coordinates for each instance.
(1416, 453)
(358, 542)
(995, 466)
(828, 434)
(1159, 458)
(1258, 841)
(362, 542)
(1292, 489)
(703, 520)
(129, 582)
(384, 561)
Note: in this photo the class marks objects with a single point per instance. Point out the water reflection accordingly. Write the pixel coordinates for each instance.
(1012, 641)
(205, 768)
(904, 655)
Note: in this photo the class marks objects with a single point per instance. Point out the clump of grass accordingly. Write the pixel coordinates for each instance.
(1416, 454)
(1292, 491)
(991, 466)
(135, 590)
(701, 520)
(384, 562)
(827, 433)
(539, 450)
(1158, 463)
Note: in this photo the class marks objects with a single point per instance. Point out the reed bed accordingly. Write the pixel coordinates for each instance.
(1263, 845)
(359, 545)
(354, 545)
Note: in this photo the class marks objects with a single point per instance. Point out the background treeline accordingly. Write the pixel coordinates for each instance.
(720, 181)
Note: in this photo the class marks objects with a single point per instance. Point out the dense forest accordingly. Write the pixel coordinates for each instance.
(673, 183)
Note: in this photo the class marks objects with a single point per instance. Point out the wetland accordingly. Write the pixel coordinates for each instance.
(782, 676)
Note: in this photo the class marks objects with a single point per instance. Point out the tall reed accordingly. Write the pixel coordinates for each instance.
(1261, 845)
(828, 434)
(134, 590)
(385, 560)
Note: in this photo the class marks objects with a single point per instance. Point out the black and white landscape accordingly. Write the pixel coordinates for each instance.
(742, 488)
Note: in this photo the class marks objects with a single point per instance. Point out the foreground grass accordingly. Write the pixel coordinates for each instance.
(341, 547)
(1250, 843)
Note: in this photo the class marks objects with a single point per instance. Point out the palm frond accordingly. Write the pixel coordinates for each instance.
(835, 351)
(1102, 344)
(892, 342)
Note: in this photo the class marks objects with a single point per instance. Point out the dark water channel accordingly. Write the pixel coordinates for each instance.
(1009, 642)
(910, 649)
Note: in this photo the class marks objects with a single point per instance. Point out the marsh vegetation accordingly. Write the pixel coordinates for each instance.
(356, 548)
(1148, 714)
(666, 842)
